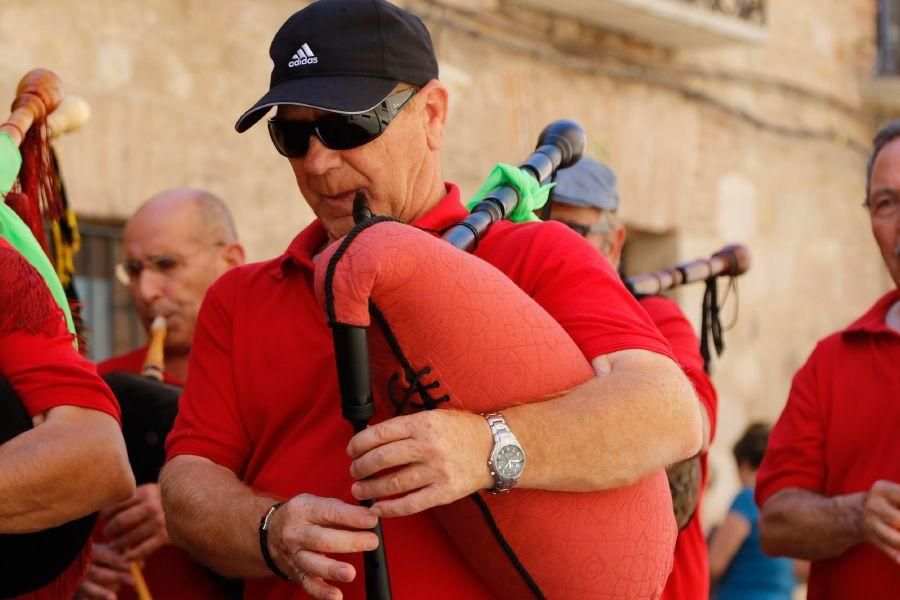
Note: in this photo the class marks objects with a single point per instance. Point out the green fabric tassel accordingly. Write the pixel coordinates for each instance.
(17, 234)
(532, 195)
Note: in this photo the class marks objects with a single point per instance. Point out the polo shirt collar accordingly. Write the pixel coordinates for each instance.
(308, 242)
(874, 320)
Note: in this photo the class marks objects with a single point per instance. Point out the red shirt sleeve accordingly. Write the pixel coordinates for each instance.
(576, 285)
(678, 331)
(208, 422)
(795, 456)
(37, 354)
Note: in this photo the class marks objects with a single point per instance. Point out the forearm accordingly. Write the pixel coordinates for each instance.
(611, 431)
(72, 464)
(216, 522)
(803, 524)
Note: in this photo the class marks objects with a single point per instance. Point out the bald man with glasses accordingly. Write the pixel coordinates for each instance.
(176, 245)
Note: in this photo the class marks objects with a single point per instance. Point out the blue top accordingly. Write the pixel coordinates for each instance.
(752, 575)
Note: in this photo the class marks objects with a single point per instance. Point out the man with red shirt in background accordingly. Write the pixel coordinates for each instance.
(829, 484)
(176, 245)
(585, 198)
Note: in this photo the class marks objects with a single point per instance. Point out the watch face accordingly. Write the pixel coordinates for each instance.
(510, 461)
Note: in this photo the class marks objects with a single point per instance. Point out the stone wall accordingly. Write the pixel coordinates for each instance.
(763, 145)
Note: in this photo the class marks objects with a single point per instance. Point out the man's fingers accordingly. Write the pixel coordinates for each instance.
(410, 504)
(110, 511)
(136, 536)
(329, 511)
(317, 588)
(884, 511)
(395, 454)
(110, 578)
(320, 566)
(321, 539)
(126, 519)
(106, 555)
(887, 535)
(146, 548)
(92, 591)
(392, 430)
(391, 484)
(888, 489)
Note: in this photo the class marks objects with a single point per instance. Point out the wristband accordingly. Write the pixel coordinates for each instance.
(264, 541)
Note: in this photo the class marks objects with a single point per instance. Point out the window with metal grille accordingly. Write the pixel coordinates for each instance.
(888, 37)
(113, 326)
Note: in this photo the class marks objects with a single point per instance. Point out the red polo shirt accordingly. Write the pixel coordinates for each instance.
(40, 362)
(689, 579)
(263, 398)
(840, 433)
(170, 573)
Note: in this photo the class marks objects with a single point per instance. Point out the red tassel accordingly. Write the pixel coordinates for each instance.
(25, 299)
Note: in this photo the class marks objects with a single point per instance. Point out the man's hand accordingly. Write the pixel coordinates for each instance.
(137, 526)
(881, 518)
(436, 457)
(108, 572)
(306, 527)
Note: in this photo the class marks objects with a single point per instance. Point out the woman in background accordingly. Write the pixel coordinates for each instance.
(738, 569)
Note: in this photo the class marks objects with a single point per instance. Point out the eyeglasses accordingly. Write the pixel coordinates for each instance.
(584, 230)
(337, 131)
(129, 271)
(883, 206)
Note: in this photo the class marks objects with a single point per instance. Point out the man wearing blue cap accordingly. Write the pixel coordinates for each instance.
(260, 480)
(586, 199)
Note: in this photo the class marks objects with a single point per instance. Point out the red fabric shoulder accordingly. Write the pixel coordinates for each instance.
(37, 354)
(563, 273)
(25, 301)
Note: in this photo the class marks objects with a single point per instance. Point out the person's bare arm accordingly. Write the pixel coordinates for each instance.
(638, 415)
(724, 543)
(218, 521)
(803, 524)
(72, 463)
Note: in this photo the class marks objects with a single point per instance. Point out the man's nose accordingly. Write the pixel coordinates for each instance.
(320, 158)
(150, 285)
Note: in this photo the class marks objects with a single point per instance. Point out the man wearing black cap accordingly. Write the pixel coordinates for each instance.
(586, 199)
(259, 420)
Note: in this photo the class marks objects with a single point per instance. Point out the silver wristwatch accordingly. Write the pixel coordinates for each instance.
(507, 460)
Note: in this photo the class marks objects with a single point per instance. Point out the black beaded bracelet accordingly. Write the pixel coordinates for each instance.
(264, 541)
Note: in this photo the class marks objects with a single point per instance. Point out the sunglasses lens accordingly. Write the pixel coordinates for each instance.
(343, 132)
(291, 138)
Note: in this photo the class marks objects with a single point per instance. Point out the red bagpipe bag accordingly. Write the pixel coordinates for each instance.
(454, 332)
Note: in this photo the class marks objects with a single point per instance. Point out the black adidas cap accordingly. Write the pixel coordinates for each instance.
(345, 56)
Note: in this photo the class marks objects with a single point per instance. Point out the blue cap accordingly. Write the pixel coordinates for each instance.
(586, 183)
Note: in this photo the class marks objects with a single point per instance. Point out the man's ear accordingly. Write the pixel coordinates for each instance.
(234, 255)
(616, 243)
(434, 100)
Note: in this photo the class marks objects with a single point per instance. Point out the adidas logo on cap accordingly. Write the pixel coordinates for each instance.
(303, 56)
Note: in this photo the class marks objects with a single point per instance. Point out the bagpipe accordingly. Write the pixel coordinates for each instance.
(34, 560)
(732, 261)
(148, 407)
(454, 332)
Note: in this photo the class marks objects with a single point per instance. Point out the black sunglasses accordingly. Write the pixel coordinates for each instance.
(335, 130)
